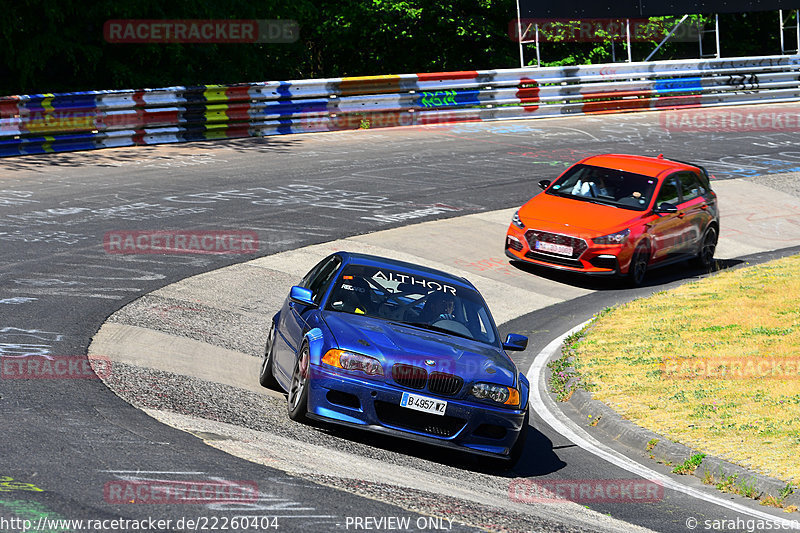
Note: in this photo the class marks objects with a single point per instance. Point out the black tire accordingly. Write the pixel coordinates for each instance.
(519, 446)
(298, 388)
(705, 255)
(638, 267)
(265, 376)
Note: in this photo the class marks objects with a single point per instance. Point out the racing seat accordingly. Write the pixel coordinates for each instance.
(355, 296)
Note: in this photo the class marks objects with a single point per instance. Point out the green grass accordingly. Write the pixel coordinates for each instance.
(690, 464)
(749, 316)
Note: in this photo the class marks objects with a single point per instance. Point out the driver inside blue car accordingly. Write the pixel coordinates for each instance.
(439, 306)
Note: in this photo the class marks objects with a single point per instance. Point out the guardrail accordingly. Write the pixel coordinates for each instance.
(41, 123)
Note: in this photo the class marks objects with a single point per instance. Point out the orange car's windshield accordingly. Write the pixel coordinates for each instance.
(606, 186)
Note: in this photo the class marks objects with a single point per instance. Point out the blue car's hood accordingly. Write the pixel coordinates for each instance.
(392, 342)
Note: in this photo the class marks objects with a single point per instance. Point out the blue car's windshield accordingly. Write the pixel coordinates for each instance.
(605, 186)
(413, 299)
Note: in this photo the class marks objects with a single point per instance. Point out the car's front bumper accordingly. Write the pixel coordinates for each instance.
(374, 405)
(597, 260)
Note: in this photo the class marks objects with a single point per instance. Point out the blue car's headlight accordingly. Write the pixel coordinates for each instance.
(353, 361)
(517, 221)
(497, 393)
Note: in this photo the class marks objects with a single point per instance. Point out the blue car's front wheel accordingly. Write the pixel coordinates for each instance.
(265, 377)
(298, 389)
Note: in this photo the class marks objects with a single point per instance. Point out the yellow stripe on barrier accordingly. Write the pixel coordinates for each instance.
(215, 93)
(46, 102)
(369, 84)
(57, 123)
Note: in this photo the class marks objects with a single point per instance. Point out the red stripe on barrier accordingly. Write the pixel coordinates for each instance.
(678, 102)
(528, 93)
(238, 111)
(138, 98)
(238, 130)
(128, 119)
(9, 107)
(615, 106)
(442, 76)
(148, 117)
(238, 94)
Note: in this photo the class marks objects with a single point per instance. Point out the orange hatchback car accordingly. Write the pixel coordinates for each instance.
(618, 215)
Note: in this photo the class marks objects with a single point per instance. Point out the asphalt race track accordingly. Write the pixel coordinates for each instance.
(67, 441)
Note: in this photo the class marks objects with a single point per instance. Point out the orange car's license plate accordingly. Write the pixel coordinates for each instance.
(559, 249)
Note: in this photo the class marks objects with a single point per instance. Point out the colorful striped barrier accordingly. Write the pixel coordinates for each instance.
(42, 123)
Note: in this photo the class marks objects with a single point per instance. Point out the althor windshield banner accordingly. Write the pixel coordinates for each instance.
(643, 8)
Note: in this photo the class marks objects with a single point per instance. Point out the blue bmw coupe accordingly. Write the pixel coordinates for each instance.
(399, 349)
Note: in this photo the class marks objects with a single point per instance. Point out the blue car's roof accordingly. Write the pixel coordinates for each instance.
(377, 261)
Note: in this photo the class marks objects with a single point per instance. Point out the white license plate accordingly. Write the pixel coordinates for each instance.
(421, 403)
(559, 249)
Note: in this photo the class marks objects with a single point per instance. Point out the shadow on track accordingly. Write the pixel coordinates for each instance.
(654, 278)
(143, 155)
(538, 457)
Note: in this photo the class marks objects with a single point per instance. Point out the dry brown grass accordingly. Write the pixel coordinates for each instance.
(751, 313)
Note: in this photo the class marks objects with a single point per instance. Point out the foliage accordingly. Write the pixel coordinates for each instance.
(50, 46)
(56, 47)
(690, 464)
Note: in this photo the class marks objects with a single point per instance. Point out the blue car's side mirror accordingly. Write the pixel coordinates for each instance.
(301, 295)
(515, 343)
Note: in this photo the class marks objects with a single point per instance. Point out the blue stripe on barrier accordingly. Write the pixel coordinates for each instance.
(51, 138)
(449, 98)
(39, 148)
(285, 127)
(284, 90)
(192, 134)
(75, 101)
(56, 143)
(673, 85)
(35, 102)
(291, 107)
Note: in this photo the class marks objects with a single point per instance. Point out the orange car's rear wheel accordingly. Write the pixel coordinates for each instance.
(705, 255)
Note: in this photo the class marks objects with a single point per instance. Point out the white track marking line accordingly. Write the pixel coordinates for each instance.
(546, 408)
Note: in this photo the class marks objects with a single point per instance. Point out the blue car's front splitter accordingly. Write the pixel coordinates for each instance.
(375, 406)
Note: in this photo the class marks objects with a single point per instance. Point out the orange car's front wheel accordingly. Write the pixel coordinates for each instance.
(638, 267)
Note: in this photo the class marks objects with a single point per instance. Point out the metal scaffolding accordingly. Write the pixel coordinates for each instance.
(784, 27)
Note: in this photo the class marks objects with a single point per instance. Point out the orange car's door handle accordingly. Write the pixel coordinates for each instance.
(681, 214)
(704, 207)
